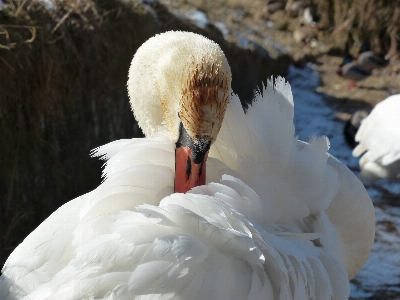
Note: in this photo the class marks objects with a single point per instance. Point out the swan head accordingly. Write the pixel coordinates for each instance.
(181, 81)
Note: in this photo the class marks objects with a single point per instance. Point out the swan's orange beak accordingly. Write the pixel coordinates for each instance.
(188, 174)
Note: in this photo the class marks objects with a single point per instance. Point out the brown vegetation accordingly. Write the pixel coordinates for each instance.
(62, 80)
(376, 22)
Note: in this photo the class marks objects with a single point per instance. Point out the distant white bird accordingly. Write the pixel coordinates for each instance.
(379, 141)
(352, 125)
(277, 219)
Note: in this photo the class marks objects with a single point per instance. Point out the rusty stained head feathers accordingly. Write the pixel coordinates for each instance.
(205, 96)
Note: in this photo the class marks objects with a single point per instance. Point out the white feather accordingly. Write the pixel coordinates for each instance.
(379, 141)
(277, 219)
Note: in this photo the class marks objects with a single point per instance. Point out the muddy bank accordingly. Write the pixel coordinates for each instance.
(63, 92)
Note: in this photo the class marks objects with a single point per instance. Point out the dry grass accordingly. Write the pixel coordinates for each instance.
(43, 48)
(354, 22)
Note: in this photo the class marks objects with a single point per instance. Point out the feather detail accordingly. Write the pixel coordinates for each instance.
(278, 218)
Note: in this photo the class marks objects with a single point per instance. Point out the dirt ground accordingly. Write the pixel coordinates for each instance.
(274, 32)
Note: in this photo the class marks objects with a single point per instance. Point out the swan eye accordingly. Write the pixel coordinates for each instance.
(188, 167)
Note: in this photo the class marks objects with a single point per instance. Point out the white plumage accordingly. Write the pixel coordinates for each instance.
(277, 219)
(379, 141)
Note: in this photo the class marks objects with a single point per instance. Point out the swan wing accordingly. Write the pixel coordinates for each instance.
(306, 183)
(353, 216)
(195, 246)
(137, 171)
(43, 253)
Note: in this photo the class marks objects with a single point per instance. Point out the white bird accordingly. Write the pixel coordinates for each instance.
(379, 141)
(277, 218)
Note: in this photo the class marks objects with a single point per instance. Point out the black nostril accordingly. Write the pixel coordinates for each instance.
(188, 167)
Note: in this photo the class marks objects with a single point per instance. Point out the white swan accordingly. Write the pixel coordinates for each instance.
(281, 220)
(379, 141)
